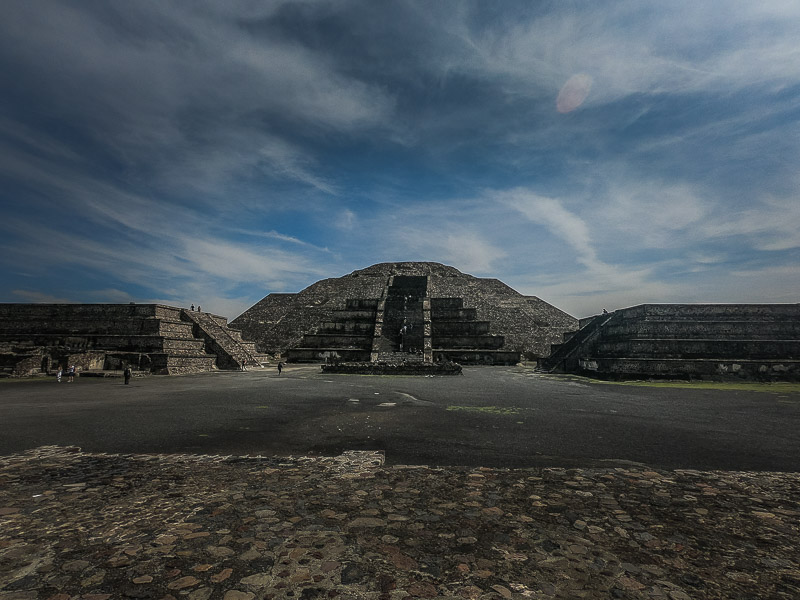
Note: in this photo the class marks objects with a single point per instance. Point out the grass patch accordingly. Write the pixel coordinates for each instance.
(777, 387)
(491, 410)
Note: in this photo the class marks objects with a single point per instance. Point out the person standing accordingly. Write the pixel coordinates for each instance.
(71, 374)
(127, 375)
(58, 374)
(280, 368)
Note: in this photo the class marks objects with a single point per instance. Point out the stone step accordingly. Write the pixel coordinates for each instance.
(399, 357)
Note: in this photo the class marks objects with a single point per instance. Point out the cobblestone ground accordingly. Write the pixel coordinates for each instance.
(97, 526)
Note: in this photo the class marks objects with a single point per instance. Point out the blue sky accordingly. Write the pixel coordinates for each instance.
(595, 155)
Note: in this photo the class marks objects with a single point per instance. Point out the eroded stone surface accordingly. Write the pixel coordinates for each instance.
(127, 526)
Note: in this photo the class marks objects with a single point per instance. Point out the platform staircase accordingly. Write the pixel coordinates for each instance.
(231, 351)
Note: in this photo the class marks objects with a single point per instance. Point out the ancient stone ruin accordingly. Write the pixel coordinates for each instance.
(36, 338)
(406, 312)
(705, 341)
(411, 315)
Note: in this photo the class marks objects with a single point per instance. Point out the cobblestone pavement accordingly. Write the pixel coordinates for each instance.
(97, 526)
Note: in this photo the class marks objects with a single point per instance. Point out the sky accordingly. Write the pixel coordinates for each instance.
(593, 154)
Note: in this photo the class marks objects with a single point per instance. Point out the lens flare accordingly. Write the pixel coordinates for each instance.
(573, 93)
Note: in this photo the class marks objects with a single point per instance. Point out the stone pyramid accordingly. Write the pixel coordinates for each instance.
(407, 309)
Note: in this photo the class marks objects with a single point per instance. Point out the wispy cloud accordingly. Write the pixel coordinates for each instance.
(39, 297)
(224, 150)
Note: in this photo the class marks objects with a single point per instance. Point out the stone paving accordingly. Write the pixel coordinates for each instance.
(85, 526)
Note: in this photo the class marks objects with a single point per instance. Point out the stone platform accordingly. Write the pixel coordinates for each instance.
(96, 527)
(379, 368)
(154, 338)
(703, 341)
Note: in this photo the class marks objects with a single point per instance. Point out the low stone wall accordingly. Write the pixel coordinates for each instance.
(681, 368)
(370, 368)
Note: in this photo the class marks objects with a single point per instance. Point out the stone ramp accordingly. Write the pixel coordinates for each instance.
(100, 526)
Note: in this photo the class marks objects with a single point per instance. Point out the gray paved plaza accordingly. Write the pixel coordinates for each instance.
(491, 416)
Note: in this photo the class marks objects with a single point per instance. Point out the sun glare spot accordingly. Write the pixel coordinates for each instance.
(573, 93)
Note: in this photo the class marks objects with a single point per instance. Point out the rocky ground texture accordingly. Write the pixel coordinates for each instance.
(98, 526)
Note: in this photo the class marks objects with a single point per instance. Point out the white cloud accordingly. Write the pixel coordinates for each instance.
(550, 213)
(649, 212)
(631, 47)
(346, 219)
(462, 247)
(39, 297)
(772, 224)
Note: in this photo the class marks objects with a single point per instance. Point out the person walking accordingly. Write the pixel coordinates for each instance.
(280, 368)
(127, 375)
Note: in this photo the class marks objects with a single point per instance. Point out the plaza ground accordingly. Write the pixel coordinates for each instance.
(490, 416)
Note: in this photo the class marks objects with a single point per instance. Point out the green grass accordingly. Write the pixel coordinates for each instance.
(492, 410)
(39, 379)
(778, 387)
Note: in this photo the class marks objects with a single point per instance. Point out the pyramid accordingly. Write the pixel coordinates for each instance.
(404, 310)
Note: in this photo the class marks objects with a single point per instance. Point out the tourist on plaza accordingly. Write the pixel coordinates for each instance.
(58, 375)
(71, 374)
(127, 375)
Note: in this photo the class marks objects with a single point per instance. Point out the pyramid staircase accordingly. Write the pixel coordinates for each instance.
(346, 336)
(457, 335)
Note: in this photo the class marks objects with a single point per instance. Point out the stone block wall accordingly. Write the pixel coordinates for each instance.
(37, 337)
(755, 341)
(279, 321)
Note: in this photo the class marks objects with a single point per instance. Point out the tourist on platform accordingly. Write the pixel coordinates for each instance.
(192, 307)
(198, 308)
(127, 375)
